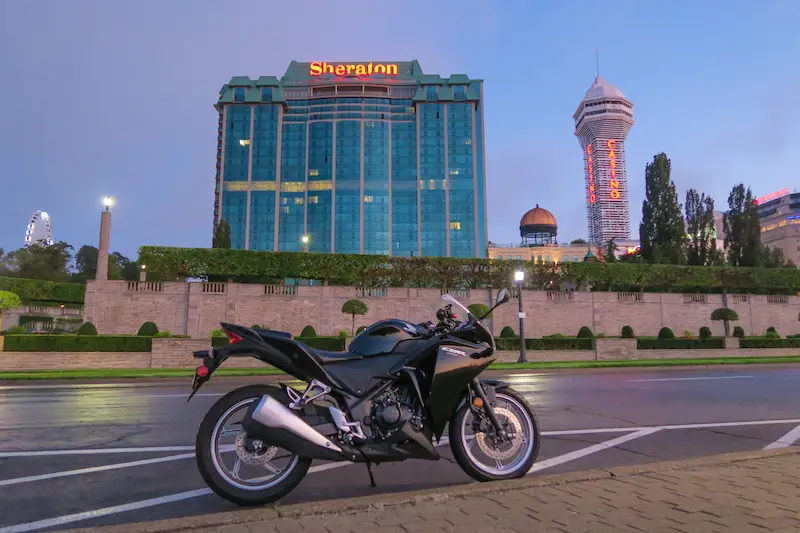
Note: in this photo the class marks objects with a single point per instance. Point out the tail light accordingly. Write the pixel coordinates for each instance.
(233, 338)
(202, 371)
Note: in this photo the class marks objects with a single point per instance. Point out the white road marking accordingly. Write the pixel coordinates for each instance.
(787, 440)
(117, 398)
(687, 379)
(556, 433)
(86, 515)
(583, 452)
(93, 469)
(99, 451)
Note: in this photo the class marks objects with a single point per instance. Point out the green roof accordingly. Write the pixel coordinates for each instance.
(298, 74)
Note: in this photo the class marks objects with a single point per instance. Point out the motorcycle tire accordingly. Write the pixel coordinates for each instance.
(205, 461)
(462, 456)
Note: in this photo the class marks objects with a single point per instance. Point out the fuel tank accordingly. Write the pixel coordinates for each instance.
(386, 336)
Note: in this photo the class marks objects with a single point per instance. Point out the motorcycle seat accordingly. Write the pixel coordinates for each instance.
(325, 357)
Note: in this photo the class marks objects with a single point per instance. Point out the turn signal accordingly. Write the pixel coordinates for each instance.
(477, 402)
(202, 371)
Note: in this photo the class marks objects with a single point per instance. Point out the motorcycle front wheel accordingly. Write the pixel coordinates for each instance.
(481, 455)
(237, 467)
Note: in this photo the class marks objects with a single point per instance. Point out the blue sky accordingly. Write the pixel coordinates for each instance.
(115, 97)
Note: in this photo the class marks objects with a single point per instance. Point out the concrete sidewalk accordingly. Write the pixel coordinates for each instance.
(753, 491)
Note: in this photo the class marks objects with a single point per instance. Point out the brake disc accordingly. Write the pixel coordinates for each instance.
(258, 457)
(508, 448)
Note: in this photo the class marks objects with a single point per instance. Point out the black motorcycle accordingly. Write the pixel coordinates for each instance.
(387, 398)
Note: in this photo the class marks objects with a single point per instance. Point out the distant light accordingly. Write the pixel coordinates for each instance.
(108, 201)
(519, 275)
(305, 239)
(144, 267)
(244, 142)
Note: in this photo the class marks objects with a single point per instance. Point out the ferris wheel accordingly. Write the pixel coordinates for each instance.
(39, 229)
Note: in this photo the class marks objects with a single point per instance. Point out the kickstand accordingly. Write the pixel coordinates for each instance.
(371, 477)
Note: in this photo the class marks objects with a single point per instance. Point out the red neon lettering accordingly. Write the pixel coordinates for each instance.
(614, 194)
(590, 172)
(771, 196)
(318, 68)
(611, 144)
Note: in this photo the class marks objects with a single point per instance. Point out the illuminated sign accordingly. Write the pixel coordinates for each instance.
(771, 196)
(318, 68)
(612, 163)
(592, 196)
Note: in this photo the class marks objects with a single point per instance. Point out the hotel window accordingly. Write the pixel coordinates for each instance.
(566, 258)
(455, 225)
(238, 94)
(266, 94)
(574, 258)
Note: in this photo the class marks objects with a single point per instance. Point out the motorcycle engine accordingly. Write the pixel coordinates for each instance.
(391, 410)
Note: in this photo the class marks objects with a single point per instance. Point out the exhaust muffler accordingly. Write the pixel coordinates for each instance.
(275, 424)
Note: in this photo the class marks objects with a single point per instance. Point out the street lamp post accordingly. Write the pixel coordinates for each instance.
(305, 240)
(519, 277)
(105, 240)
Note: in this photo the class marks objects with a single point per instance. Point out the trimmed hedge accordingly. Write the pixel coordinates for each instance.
(765, 342)
(713, 343)
(36, 290)
(549, 343)
(331, 344)
(77, 343)
(440, 272)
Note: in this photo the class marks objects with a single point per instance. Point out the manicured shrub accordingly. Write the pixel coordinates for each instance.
(705, 332)
(162, 335)
(148, 329)
(478, 310)
(77, 343)
(771, 329)
(343, 333)
(665, 333)
(738, 331)
(360, 329)
(87, 328)
(257, 326)
(308, 331)
(680, 344)
(627, 332)
(555, 336)
(772, 335)
(585, 333)
(507, 333)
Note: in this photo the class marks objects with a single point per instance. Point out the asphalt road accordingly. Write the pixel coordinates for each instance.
(590, 419)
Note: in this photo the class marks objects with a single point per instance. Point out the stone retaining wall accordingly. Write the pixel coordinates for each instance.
(177, 353)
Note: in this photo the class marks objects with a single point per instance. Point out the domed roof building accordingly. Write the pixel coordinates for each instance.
(538, 227)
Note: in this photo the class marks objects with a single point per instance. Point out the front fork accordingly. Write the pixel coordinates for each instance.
(488, 407)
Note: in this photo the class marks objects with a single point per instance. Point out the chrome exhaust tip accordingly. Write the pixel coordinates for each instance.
(270, 414)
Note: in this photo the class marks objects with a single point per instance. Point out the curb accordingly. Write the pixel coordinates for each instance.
(407, 499)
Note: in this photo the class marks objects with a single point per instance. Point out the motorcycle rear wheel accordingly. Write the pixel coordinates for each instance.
(213, 469)
(511, 407)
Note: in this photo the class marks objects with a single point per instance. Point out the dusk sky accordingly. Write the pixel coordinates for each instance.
(115, 97)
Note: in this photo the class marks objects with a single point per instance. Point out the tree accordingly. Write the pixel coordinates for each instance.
(578, 241)
(726, 315)
(702, 236)
(40, 261)
(8, 300)
(354, 307)
(661, 232)
(772, 257)
(742, 229)
(119, 266)
(222, 235)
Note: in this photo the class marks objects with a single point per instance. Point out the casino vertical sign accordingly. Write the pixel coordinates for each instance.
(591, 192)
(613, 183)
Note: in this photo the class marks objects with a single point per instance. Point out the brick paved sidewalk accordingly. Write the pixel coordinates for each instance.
(729, 493)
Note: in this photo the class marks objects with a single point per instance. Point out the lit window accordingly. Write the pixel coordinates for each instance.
(298, 201)
(293, 186)
(313, 199)
(368, 199)
(313, 172)
(467, 141)
(244, 142)
(455, 225)
(454, 172)
(286, 210)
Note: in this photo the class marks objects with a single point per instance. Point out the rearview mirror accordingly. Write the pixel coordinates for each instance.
(502, 296)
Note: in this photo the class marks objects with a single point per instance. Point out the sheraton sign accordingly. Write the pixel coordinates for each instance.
(318, 68)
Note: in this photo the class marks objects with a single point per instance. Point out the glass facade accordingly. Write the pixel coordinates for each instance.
(388, 163)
